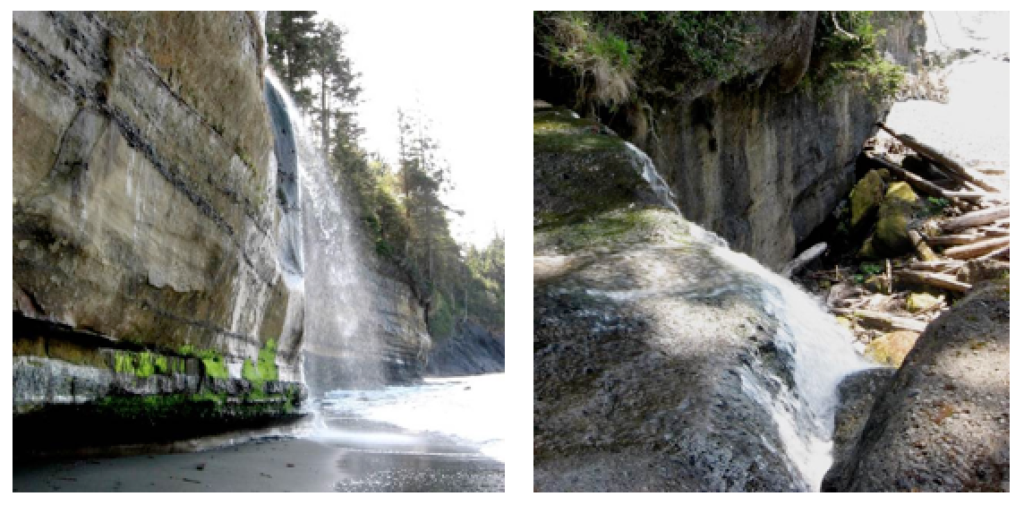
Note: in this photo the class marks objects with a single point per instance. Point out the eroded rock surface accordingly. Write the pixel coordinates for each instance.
(943, 423)
(644, 342)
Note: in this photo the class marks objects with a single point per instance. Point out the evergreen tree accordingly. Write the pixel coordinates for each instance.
(291, 37)
(338, 91)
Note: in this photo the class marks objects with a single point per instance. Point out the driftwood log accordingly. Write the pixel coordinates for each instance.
(980, 248)
(801, 261)
(933, 279)
(941, 160)
(921, 247)
(935, 266)
(972, 219)
(882, 321)
(948, 240)
(923, 185)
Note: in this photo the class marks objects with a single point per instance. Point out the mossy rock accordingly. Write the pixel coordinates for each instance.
(614, 230)
(891, 348)
(866, 196)
(920, 301)
(876, 284)
(581, 169)
(867, 249)
(895, 214)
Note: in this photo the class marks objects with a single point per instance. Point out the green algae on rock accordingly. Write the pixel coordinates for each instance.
(898, 209)
(866, 196)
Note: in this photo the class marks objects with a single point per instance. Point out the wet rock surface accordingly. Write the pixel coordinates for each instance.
(473, 350)
(641, 338)
(942, 424)
(857, 394)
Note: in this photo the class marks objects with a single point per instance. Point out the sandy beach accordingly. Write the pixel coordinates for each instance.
(345, 462)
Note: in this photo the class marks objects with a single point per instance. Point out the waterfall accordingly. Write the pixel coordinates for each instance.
(818, 351)
(320, 257)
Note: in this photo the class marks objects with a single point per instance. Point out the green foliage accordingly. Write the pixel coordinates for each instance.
(215, 367)
(846, 49)
(858, 278)
(617, 57)
(140, 364)
(402, 207)
(871, 268)
(291, 46)
(213, 362)
(937, 205)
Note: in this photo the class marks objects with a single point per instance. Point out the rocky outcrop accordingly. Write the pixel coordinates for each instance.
(145, 213)
(651, 351)
(472, 350)
(857, 394)
(942, 424)
(750, 155)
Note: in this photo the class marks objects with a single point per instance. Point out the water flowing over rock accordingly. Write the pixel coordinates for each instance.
(663, 359)
(362, 325)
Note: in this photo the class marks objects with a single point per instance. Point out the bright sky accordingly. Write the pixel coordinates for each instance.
(426, 58)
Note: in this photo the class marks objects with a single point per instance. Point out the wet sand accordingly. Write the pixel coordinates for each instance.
(341, 460)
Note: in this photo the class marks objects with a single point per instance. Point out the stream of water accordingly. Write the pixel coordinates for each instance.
(821, 350)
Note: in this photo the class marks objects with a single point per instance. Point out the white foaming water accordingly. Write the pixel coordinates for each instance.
(650, 174)
(821, 350)
(338, 312)
(470, 409)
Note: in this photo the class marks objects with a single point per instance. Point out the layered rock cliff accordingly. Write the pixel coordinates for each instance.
(160, 278)
(758, 152)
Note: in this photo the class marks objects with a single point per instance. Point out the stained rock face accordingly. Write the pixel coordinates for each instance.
(750, 155)
(641, 337)
(942, 424)
(144, 204)
(472, 350)
(145, 219)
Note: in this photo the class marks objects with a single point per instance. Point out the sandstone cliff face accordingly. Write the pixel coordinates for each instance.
(158, 234)
(761, 163)
(144, 204)
(751, 155)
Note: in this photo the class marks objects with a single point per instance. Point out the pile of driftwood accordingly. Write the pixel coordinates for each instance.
(978, 227)
(981, 231)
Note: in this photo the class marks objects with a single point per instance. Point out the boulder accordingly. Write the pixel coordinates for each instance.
(943, 424)
(866, 197)
(895, 214)
(890, 349)
(920, 301)
(857, 394)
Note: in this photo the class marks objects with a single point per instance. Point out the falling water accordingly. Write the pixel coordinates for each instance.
(820, 351)
(320, 251)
